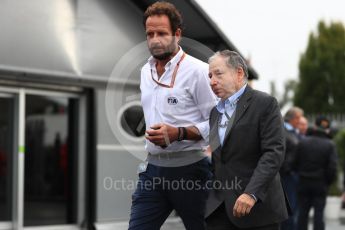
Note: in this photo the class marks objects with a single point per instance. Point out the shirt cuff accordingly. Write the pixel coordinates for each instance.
(204, 128)
(254, 197)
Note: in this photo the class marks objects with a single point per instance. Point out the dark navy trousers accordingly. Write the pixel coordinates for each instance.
(163, 189)
(312, 193)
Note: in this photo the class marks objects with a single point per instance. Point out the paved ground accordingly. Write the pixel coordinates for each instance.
(176, 224)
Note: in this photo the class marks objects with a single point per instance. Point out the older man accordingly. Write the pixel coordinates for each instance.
(247, 142)
(289, 176)
(303, 126)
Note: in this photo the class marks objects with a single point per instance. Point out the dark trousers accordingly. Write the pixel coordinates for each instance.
(219, 220)
(311, 194)
(290, 183)
(163, 189)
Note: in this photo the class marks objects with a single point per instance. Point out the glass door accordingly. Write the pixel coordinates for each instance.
(40, 147)
(6, 158)
(50, 178)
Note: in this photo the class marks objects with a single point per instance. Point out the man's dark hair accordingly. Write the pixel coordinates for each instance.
(322, 122)
(168, 9)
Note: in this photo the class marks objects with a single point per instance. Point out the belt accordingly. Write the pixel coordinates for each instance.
(176, 155)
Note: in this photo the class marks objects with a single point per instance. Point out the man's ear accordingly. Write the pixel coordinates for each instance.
(240, 74)
(178, 34)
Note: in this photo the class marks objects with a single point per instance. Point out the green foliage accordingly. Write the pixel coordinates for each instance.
(340, 143)
(339, 140)
(322, 71)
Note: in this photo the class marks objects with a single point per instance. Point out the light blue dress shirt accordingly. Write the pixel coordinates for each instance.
(289, 127)
(228, 106)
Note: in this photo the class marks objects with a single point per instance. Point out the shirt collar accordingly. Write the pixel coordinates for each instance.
(288, 126)
(173, 61)
(231, 102)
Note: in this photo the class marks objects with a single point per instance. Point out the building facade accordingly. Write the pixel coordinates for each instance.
(71, 130)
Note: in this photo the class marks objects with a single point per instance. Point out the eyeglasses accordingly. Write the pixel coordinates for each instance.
(172, 82)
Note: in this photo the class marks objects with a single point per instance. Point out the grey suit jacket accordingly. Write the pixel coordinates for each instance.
(249, 160)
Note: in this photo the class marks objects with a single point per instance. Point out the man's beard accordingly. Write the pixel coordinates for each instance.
(162, 56)
(168, 52)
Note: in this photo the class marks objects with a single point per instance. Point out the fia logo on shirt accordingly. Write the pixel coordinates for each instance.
(172, 100)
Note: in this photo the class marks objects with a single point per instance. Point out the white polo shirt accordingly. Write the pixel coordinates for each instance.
(188, 103)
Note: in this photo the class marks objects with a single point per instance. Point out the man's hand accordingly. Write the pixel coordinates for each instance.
(243, 205)
(162, 134)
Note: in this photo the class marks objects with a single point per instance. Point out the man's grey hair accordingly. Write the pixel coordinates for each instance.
(292, 112)
(233, 60)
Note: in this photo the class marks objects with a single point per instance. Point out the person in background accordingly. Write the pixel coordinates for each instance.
(289, 176)
(324, 123)
(303, 126)
(316, 165)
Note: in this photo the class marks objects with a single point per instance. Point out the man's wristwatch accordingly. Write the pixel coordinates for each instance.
(180, 135)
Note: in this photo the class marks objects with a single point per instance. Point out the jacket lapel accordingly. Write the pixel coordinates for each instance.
(241, 108)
